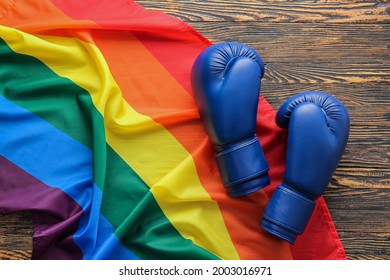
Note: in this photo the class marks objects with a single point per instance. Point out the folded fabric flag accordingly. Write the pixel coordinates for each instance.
(102, 141)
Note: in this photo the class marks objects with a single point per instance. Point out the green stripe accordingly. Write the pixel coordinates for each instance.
(127, 202)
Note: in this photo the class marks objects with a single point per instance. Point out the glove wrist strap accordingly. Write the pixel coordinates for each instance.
(243, 167)
(287, 213)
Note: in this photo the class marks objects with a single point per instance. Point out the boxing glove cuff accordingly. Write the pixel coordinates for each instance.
(243, 167)
(287, 213)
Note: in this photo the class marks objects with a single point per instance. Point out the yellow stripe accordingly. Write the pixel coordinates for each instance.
(153, 153)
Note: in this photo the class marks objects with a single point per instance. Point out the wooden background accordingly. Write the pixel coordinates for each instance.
(342, 47)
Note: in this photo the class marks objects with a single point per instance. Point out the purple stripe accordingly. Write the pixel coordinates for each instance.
(55, 214)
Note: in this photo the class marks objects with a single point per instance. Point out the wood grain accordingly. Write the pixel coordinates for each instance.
(274, 11)
(16, 236)
(361, 46)
(341, 47)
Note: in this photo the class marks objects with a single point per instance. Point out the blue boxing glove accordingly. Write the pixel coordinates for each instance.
(226, 80)
(318, 128)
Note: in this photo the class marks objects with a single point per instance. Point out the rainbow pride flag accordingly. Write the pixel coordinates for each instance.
(101, 140)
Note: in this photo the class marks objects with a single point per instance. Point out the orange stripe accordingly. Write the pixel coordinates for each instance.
(170, 105)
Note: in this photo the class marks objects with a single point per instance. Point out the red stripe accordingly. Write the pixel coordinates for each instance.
(176, 53)
(320, 239)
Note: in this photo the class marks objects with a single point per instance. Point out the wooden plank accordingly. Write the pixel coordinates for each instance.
(350, 206)
(368, 101)
(355, 46)
(10, 254)
(16, 236)
(274, 11)
(366, 245)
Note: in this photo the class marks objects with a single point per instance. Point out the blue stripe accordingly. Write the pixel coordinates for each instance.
(61, 162)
